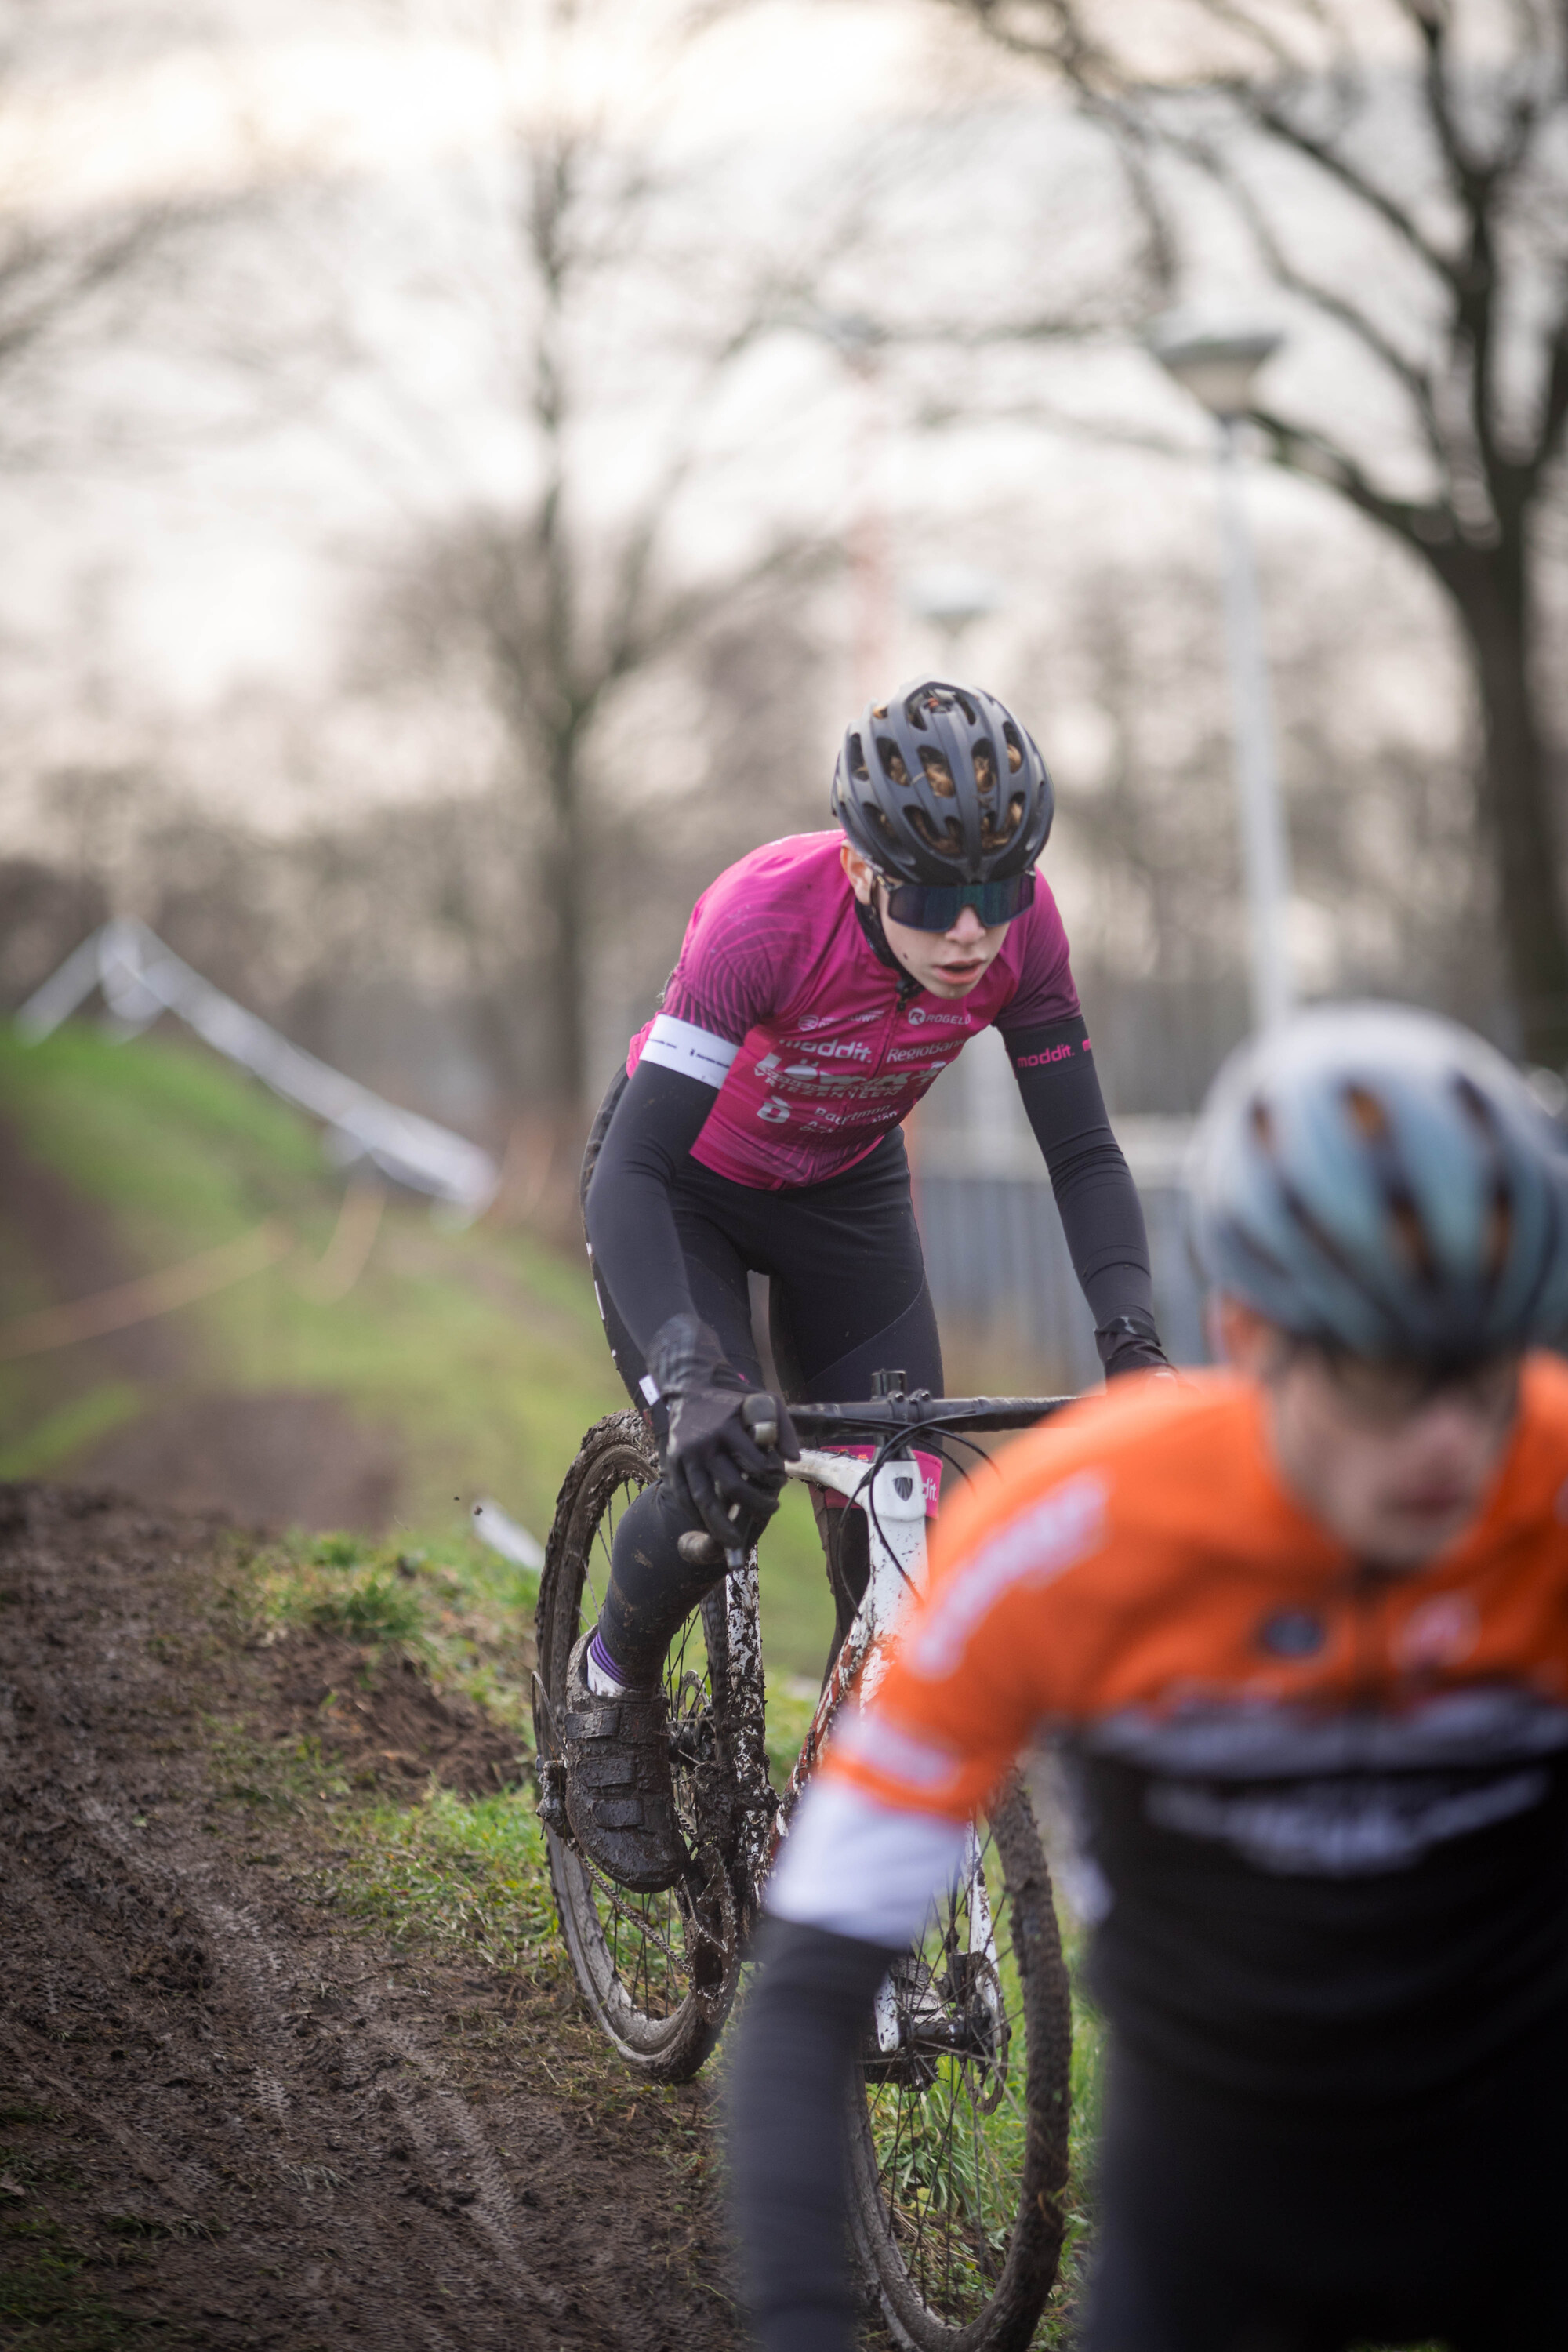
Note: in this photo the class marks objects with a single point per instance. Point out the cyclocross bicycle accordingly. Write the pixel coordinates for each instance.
(960, 2127)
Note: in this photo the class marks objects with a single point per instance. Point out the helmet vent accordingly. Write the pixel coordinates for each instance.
(892, 760)
(1367, 1113)
(1369, 1117)
(939, 775)
(857, 758)
(948, 842)
(984, 769)
(1413, 1239)
(995, 833)
(1499, 1238)
(1015, 748)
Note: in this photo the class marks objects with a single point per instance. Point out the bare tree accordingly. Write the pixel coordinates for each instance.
(626, 313)
(1382, 823)
(73, 276)
(1434, 133)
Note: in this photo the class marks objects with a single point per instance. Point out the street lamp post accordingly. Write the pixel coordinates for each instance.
(858, 341)
(1218, 370)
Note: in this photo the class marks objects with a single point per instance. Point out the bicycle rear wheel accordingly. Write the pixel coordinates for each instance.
(658, 1971)
(959, 2126)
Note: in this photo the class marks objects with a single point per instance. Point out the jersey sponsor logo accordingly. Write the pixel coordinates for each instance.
(923, 1054)
(774, 1110)
(831, 1086)
(1032, 1552)
(1293, 1633)
(1461, 1729)
(1438, 1633)
(918, 1017)
(1051, 1053)
(1346, 1828)
(833, 1049)
(838, 1020)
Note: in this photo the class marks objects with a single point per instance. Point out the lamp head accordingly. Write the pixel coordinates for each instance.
(1217, 366)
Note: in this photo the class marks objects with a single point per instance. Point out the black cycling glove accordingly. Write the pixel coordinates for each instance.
(713, 1463)
(1129, 1343)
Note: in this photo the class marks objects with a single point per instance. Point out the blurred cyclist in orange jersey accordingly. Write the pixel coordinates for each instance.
(1299, 1632)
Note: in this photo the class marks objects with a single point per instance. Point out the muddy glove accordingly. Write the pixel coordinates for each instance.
(1129, 1343)
(713, 1463)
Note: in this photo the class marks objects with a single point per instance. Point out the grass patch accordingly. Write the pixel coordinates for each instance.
(1063, 2312)
(479, 1350)
(454, 1875)
(70, 1428)
(458, 1609)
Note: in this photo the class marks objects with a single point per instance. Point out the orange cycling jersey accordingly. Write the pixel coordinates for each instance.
(1324, 1807)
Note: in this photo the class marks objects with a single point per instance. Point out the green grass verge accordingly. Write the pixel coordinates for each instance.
(479, 1352)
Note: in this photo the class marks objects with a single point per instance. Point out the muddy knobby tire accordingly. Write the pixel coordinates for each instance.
(658, 1971)
(958, 2162)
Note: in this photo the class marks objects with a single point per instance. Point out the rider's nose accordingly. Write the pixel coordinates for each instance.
(968, 929)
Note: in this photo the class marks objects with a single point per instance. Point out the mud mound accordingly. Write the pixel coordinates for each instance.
(387, 1722)
(224, 2117)
(288, 1459)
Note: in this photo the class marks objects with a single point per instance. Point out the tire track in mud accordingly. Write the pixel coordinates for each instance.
(235, 2124)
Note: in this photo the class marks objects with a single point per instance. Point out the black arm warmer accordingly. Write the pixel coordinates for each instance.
(658, 1117)
(1100, 1212)
(794, 2054)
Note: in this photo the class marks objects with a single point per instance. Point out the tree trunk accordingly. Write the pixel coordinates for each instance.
(1489, 587)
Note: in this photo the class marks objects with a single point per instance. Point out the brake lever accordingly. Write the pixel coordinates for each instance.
(697, 1548)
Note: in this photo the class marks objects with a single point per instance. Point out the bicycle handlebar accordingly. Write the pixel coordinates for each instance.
(822, 1422)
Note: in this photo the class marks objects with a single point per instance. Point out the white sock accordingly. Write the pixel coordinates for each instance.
(600, 1680)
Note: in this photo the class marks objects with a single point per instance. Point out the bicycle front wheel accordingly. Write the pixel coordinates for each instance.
(658, 1971)
(959, 2129)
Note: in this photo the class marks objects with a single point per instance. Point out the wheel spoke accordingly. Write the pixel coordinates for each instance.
(635, 1954)
(951, 2180)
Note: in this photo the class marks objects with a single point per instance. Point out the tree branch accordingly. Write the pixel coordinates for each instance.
(1416, 381)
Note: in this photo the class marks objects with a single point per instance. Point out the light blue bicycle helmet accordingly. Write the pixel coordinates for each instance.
(1380, 1180)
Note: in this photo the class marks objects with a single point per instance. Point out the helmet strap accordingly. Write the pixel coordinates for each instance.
(870, 921)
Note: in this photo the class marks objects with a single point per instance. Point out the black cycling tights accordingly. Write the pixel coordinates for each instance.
(847, 1297)
(1220, 2234)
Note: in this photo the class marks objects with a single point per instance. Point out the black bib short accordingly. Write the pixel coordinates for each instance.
(847, 1298)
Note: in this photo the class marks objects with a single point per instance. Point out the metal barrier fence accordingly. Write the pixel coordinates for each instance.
(995, 1253)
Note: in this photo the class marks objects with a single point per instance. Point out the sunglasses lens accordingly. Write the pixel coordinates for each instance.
(936, 906)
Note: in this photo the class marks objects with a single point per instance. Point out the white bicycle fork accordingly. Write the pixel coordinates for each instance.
(893, 1500)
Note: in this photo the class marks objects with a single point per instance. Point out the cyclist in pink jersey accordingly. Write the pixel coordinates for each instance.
(824, 981)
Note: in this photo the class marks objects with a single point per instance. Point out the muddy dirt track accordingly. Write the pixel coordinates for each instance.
(225, 2120)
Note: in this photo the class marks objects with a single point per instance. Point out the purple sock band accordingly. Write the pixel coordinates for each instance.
(605, 1663)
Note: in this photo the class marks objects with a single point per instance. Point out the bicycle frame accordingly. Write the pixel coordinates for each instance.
(893, 1497)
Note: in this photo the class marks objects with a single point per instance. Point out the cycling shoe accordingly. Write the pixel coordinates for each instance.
(620, 1799)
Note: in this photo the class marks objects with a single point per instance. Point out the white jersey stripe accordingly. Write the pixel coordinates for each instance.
(675, 1045)
(860, 1868)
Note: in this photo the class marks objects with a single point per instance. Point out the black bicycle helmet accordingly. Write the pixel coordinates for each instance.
(940, 783)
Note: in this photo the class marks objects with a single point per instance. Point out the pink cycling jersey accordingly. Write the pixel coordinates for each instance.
(779, 1000)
